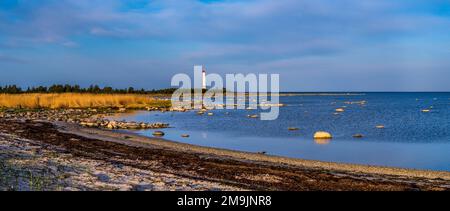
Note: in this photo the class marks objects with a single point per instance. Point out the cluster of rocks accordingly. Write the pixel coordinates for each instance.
(66, 115)
(327, 135)
(363, 102)
(111, 124)
(83, 117)
(155, 108)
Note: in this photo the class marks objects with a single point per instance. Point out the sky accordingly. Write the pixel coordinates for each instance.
(315, 45)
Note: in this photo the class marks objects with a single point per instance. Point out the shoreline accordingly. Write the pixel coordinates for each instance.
(255, 156)
(144, 141)
(111, 160)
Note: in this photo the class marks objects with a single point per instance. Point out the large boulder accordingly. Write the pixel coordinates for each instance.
(322, 135)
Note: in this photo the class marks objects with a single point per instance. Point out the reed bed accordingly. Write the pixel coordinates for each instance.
(80, 101)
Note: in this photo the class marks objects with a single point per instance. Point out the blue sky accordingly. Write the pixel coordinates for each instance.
(315, 45)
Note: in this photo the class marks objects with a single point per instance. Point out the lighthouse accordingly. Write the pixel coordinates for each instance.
(203, 77)
(200, 77)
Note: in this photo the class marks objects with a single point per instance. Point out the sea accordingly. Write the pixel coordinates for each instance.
(415, 133)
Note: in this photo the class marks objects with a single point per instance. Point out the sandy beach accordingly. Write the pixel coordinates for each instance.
(56, 155)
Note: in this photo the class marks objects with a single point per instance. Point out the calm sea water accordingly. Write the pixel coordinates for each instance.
(411, 138)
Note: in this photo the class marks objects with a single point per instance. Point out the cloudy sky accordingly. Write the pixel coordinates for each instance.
(315, 45)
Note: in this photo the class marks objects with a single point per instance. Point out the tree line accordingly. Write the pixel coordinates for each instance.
(94, 89)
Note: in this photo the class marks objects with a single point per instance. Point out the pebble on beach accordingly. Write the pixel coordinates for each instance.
(322, 135)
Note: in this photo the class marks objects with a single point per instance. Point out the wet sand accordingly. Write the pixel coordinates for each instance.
(223, 169)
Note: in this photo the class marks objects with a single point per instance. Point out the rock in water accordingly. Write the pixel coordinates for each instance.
(158, 133)
(340, 110)
(322, 135)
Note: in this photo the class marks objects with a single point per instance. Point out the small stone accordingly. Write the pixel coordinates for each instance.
(158, 133)
(54, 169)
(340, 110)
(143, 187)
(103, 177)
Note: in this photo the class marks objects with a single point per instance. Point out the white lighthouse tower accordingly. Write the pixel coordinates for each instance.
(203, 77)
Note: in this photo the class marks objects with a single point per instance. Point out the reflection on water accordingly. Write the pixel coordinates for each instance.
(322, 141)
(410, 137)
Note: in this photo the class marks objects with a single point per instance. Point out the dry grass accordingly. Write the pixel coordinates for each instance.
(76, 100)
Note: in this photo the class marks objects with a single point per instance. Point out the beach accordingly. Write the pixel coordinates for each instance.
(59, 155)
